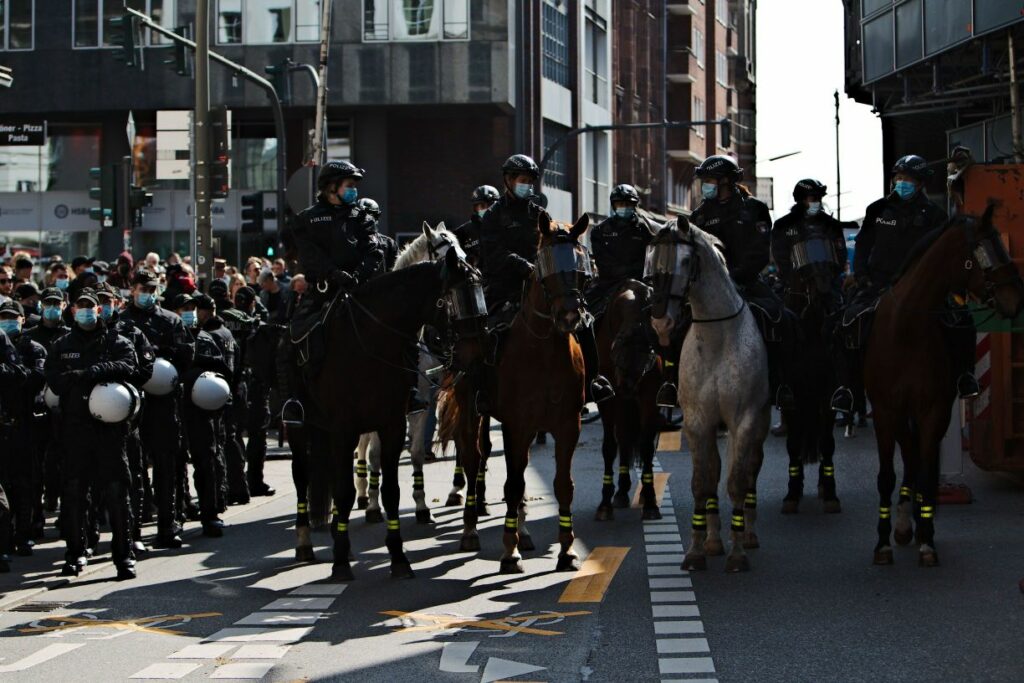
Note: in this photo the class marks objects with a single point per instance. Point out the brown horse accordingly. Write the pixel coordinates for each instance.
(630, 418)
(908, 370)
(538, 385)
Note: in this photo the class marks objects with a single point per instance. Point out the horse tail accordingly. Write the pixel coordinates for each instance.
(449, 415)
(320, 467)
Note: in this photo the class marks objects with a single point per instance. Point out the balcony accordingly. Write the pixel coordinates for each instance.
(732, 42)
(682, 9)
(679, 144)
(680, 66)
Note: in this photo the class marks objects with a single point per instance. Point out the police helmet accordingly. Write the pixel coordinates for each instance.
(808, 187)
(51, 399)
(335, 171)
(210, 391)
(113, 402)
(520, 163)
(369, 207)
(719, 166)
(624, 193)
(485, 193)
(913, 166)
(164, 379)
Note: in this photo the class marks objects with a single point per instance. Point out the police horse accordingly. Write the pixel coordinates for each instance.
(723, 378)
(908, 370)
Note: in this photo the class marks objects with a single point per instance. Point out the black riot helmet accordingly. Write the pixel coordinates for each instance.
(369, 207)
(336, 171)
(808, 187)
(719, 167)
(912, 165)
(624, 193)
(520, 163)
(487, 194)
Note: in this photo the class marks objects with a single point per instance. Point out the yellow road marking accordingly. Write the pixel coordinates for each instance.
(660, 482)
(670, 441)
(443, 622)
(120, 624)
(593, 578)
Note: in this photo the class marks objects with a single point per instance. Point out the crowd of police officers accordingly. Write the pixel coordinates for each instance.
(59, 344)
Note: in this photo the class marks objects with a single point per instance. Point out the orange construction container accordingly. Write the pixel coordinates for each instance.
(996, 418)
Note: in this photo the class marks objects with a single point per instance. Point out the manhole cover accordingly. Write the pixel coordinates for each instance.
(39, 607)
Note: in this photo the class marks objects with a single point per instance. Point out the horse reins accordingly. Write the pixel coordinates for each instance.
(743, 304)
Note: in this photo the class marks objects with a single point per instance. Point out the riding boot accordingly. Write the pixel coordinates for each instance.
(961, 342)
(288, 378)
(598, 387)
(668, 393)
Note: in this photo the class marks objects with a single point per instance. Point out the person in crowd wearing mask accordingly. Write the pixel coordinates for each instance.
(6, 284)
(102, 270)
(274, 297)
(258, 417)
(140, 491)
(94, 451)
(23, 270)
(280, 270)
(121, 276)
(27, 294)
(81, 264)
(18, 451)
(86, 278)
(58, 276)
(11, 374)
(201, 425)
(468, 233)
(508, 248)
(161, 437)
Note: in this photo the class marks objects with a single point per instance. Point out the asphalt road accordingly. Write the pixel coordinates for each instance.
(812, 608)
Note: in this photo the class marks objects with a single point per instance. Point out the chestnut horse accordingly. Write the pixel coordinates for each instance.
(538, 385)
(908, 370)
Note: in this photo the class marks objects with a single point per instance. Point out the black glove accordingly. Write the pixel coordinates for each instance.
(344, 280)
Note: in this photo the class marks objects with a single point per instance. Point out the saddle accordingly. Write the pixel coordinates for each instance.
(306, 333)
(768, 313)
(855, 323)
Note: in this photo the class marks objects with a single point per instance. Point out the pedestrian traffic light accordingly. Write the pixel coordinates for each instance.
(179, 60)
(219, 153)
(279, 78)
(105, 194)
(252, 213)
(122, 33)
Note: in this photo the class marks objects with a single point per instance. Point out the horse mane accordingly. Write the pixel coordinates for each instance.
(392, 281)
(922, 246)
(418, 250)
(713, 244)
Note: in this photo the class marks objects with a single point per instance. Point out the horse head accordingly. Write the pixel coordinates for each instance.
(992, 275)
(672, 266)
(563, 272)
(440, 240)
(462, 310)
(632, 355)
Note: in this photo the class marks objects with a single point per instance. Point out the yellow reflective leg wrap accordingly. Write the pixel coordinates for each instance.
(301, 507)
(361, 468)
(750, 500)
(392, 525)
(623, 469)
(738, 522)
(511, 523)
(565, 522)
(927, 512)
(712, 506)
(334, 509)
(417, 481)
(608, 479)
(919, 498)
(459, 470)
(795, 470)
(699, 521)
(884, 512)
(904, 492)
(647, 478)
(481, 475)
(828, 471)
(470, 501)
(342, 527)
(374, 480)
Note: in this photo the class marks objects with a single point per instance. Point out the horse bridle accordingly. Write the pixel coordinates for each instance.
(694, 277)
(989, 253)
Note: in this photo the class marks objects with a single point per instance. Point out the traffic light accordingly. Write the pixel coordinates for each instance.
(138, 199)
(279, 78)
(123, 32)
(726, 132)
(219, 153)
(105, 194)
(252, 213)
(179, 60)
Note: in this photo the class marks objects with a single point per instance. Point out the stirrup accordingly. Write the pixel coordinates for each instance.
(784, 398)
(296, 420)
(601, 389)
(842, 401)
(967, 386)
(668, 396)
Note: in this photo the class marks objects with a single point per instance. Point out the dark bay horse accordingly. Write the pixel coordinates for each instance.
(538, 385)
(908, 369)
(364, 384)
(629, 418)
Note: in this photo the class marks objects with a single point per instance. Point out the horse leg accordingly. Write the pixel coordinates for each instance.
(418, 455)
(903, 532)
(525, 539)
(391, 441)
(565, 446)
(932, 430)
(794, 446)
(300, 477)
(481, 473)
(467, 441)
(644, 445)
(626, 433)
(517, 453)
(704, 487)
(885, 435)
(342, 445)
(827, 468)
(362, 499)
(458, 481)
(744, 462)
(609, 446)
(373, 512)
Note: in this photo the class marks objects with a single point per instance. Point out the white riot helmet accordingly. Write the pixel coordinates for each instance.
(164, 378)
(52, 400)
(113, 402)
(210, 391)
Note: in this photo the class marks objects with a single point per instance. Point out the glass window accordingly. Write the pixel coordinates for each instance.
(307, 20)
(908, 33)
(556, 171)
(596, 185)
(415, 20)
(555, 35)
(595, 84)
(268, 21)
(872, 6)
(265, 22)
(92, 19)
(945, 22)
(877, 47)
(16, 24)
(721, 68)
(229, 22)
(87, 24)
(699, 114)
(456, 19)
(990, 14)
(722, 11)
(999, 140)
(698, 47)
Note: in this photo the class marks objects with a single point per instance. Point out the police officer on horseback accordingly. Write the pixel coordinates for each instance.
(468, 233)
(806, 221)
(509, 237)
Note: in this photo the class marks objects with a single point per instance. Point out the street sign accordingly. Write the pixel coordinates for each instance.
(23, 134)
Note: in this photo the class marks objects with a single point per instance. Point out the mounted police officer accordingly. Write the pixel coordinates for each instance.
(161, 435)
(509, 237)
(468, 233)
(805, 221)
(94, 451)
(742, 223)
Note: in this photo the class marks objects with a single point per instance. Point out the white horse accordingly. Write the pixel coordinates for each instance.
(723, 378)
(432, 244)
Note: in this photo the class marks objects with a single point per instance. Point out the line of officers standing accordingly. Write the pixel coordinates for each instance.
(101, 386)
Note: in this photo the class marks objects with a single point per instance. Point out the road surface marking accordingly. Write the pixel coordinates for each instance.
(666, 558)
(243, 670)
(203, 651)
(675, 611)
(664, 548)
(498, 668)
(664, 570)
(455, 658)
(672, 596)
(166, 671)
(682, 646)
(670, 441)
(593, 578)
(675, 582)
(671, 628)
(334, 589)
(288, 604)
(659, 537)
(246, 635)
(279, 618)
(46, 654)
(660, 482)
(144, 624)
(261, 652)
(686, 665)
(444, 622)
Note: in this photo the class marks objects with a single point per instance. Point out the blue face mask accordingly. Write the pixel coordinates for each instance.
(89, 269)
(625, 212)
(905, 189)
(481, 212)
(101, 279)
(709, 190)
(51, 312)
(10, 326)
(85, 317)
(62, 283)
(523, 190)
(189, 318)
(814, 208)
(145, 300)
(350, 195)
(106, 311)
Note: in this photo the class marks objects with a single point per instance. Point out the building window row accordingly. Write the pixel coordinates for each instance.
(699, 114)
(263, 22)
(722, 11)
(555, 39)
(556, 172)
(595, 84)
(16, 19)
(722, 75)
(386, 20)
(697, 45)
(91, 20)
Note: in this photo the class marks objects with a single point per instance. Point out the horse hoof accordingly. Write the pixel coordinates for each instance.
(737, 563)
(512, 565)
(651, 513)
(750, 541)
(883, 556)
(928, 558)
(304, 553)
(470, 544)
(424, 517)
(694, 563)
(402, 570)
(567, 562)
(620, 500)
(790, 507)
(481, 509)
(341, 573)
(525, 543)
(833, 507)
(362, 502)
(374, 516)
(714, 547)
(903, 536)
(605, 514)
(454, 500)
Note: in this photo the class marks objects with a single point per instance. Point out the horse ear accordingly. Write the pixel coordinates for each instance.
(441, 227)
(544, 223)
(580, 227)
(683, 226)
(428, 231)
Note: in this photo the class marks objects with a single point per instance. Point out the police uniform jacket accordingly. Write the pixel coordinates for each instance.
(145, 354)
(20, 383)
(619, 248)
(891, 228)
(743, 224)
(795, 227)
(330, 237)
(82, 359)
(165, 332)
(508, 245)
